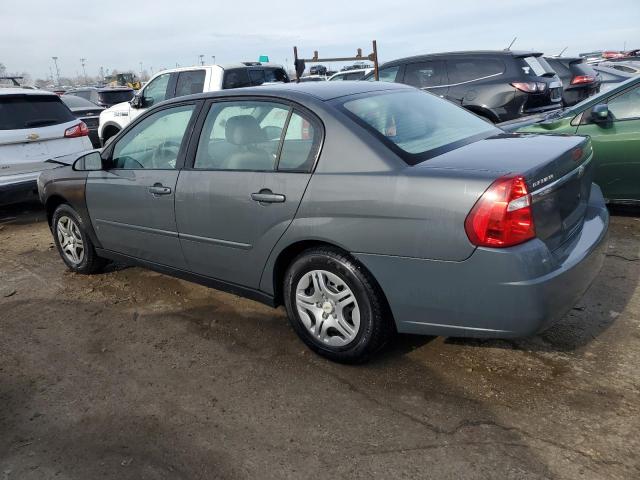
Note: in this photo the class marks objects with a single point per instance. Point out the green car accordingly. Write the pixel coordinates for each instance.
(612, 120)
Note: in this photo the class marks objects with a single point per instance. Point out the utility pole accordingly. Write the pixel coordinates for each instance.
(55, 61)
(213, 57)
(201, 59)
(141, 72)
(82, 61)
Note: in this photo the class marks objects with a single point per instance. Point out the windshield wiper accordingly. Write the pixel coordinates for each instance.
(40, 122)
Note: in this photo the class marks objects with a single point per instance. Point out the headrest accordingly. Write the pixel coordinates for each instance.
(410, 126)
(243, 130)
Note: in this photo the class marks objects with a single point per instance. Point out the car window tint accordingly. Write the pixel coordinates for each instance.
(236, 78)
(414, 122)
(155, 142)
(337, 78)
(241, 136)
(190, 82)
(257, 77)
(300, 145)
(626, 106)
(32, 111)
(424, 74)
(464, 70)
(156, 91)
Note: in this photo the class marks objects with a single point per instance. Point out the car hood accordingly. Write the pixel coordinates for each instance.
(123, 107)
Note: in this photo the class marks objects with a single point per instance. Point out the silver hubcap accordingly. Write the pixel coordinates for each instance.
(328, 308)
(70, 240)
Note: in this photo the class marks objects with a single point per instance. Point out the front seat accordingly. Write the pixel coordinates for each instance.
(244, 132)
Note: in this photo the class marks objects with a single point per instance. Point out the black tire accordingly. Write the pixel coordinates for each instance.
(375, 321)
(90, 262)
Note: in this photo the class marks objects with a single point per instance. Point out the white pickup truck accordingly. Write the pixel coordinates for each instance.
(186, 81)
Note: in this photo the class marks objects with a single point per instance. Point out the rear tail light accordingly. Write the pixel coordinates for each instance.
(530, 87)
(502, 216)
(578, 79)
(79, 130)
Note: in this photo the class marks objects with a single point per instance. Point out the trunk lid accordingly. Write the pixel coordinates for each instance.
(557, 169)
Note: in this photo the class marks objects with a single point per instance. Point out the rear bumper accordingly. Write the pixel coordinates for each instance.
(18, 190)
(512, 292)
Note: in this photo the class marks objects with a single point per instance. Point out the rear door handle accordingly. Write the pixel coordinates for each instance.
(267, 196)
(159, 189)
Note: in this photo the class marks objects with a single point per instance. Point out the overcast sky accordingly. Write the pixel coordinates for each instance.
(120, 35)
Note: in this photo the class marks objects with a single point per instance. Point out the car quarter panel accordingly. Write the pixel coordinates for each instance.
(425, 295)
(365, 199)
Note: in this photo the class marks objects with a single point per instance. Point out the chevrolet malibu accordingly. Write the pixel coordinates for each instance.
(365, 208)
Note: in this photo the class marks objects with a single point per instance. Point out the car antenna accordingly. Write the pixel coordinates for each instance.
(300, 63)
(511, 44)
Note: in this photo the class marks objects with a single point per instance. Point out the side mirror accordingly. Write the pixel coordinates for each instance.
(600, 113)
(90, 162)
(137, 101)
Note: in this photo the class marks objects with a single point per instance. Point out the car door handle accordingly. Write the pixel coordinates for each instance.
(267, 196)
(159, 189)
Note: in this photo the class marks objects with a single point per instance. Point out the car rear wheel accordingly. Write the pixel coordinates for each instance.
(335, 306)
(74, 245)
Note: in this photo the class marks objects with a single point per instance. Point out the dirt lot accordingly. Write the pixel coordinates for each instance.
(134, 375)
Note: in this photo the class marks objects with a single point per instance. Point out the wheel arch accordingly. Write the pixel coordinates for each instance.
(53, 202)
(289, 253)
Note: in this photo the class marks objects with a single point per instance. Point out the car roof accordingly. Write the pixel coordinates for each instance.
(509, 53)
(24, 91)
(323, 91)
(224, 66)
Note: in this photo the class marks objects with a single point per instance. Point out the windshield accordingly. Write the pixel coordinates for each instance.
(536, 67)
(418, 125)
(30, 111)
(73, 101)
(116, 96)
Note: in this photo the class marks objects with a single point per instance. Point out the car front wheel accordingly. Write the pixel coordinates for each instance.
(74, 245)
(335, 306)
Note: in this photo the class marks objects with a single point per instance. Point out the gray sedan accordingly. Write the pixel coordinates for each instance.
(365, 208)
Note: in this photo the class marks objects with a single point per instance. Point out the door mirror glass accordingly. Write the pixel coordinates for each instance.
(90, 162)
(600, 113)
(136, 101)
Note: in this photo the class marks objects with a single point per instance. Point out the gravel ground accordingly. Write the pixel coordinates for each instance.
(134, 375)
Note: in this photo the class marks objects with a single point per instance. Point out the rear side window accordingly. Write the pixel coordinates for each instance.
(31, 111)
(190, 82)
(467, 69)
(236, 78)
(300, 144)
(386, 74)
(425, 74)
(257, 77)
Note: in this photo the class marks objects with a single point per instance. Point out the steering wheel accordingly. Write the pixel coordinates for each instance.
(165, 154)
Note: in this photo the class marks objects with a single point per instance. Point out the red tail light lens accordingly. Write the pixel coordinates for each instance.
(578, 79)
(79, 130)
(530, 87)
(502, 216)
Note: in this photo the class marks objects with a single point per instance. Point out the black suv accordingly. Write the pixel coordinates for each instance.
(497, 85)
(579, 80)
(104, 97)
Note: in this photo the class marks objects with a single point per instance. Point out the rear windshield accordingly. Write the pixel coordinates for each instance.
(536, 67)
(417, 125)
(73, 101)
(31, 111)
(116, 96)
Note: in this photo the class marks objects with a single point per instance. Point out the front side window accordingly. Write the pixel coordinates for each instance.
(337, 78)
(155, 142)
(424, 74)
(626, 106)
(190, 82)
(156, 91)
(417, 125)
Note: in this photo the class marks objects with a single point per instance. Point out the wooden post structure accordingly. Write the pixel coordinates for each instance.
(373, 57)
